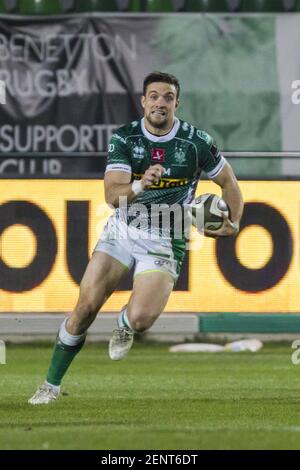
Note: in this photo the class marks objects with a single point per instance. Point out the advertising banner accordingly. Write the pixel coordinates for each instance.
(48, 230)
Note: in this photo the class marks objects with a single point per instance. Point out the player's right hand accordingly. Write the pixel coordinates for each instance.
(228, 229)
(152, 175)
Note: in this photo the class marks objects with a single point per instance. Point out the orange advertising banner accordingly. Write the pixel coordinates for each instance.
(48, 229)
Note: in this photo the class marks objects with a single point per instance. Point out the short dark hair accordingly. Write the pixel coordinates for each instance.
(161, 77)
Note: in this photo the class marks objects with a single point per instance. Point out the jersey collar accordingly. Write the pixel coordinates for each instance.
(161, 138)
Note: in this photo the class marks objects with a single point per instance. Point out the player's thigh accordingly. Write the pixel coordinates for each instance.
(149, 297)
(102, 275)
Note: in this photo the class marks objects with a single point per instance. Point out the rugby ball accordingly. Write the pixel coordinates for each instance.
(207, 212)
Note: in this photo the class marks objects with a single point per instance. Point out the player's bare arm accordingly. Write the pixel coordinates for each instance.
(231, 193)
(117, 184)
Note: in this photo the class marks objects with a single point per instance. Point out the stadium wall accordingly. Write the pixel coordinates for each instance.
(171, 327)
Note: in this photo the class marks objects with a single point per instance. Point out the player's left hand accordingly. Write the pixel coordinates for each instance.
(228, 229)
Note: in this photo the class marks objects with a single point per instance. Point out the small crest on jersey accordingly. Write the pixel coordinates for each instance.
(185, 126)
(158, 155)
(180, 157)
(180, 154)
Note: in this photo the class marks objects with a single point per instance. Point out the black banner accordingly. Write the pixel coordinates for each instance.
(70, 81)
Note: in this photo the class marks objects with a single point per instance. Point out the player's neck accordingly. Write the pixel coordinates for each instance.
(156, 131)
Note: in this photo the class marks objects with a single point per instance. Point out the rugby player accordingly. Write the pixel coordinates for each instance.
(156, 160)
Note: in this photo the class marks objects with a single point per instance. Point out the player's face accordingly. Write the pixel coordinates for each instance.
(160, 104)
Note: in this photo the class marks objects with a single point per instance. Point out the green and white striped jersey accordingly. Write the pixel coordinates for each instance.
(184, 153)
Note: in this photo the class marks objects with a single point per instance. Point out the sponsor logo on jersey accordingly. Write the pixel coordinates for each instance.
(118, 167)
(158, 155)
(191, 132)
(165, 182)
(117, 136)
(162, 262)
(138, 152)
(185, 126)
(204, 136)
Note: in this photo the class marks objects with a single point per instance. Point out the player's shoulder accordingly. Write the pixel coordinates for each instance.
(188, 131)
(202, 139)
(125, 131)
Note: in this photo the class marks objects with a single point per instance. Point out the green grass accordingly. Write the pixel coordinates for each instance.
(154, 400)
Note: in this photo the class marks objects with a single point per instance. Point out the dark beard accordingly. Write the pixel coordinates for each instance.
(163, 125)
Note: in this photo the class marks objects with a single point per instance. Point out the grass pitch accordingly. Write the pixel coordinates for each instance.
(154, 400)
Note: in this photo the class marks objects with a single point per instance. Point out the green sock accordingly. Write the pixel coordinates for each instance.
(62, 357)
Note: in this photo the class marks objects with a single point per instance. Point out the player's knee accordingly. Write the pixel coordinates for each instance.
(140, 323)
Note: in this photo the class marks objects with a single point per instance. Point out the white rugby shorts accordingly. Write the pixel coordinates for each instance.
(131, 246)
